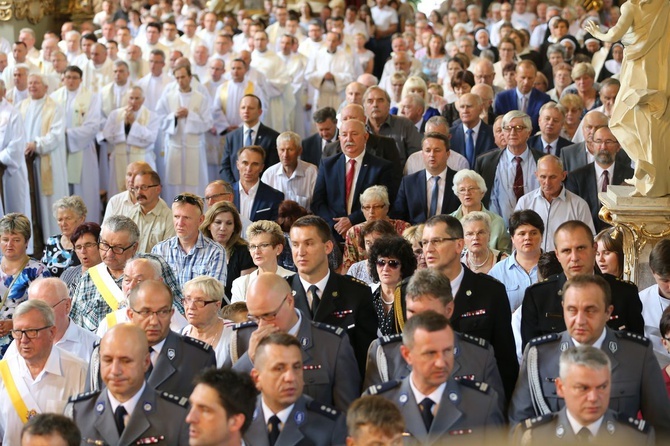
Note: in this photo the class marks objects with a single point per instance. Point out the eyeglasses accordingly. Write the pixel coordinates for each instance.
(373, 207)
(476, 234)
(118, 250)
(514, 128)
(85, 246)
(31, 333)
(267, 317)
(467, 190)
(188, 199)
(261, 246)
(58, 303)
(199, 304)
(605, 142)
(393, 264)
(143, 187)
(212, 197)
(160, 314)
(436, 241)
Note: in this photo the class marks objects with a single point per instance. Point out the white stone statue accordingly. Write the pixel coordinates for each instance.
(640, 118)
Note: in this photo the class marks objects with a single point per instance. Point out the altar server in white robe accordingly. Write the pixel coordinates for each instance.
(227, 99)
(45, 137)
(296, 64)
(82, 120)
(329, 72)
(185, 118)
(213, 137)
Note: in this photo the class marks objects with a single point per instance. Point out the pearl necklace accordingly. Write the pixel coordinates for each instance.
(476, 267)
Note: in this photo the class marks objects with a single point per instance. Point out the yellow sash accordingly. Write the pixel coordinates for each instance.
(102, 287)
(111, 320)
(125, 154)
(249, 89)
(14, 395)
(48, 113)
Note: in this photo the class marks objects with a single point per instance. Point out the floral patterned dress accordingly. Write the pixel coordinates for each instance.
(56, 258)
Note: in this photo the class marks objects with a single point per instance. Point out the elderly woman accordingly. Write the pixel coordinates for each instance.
(202, 302)
(609, 252)
(223, 225)
(370, 232)
(85, 241)
(574, 106)
(416, 85)
(584, 77)
(58, 254)
(266, 242)
(391, 261)
(17, 270)
(477, 255)
(470, 188)
(413, 235)
(562, 79)
(375, 205)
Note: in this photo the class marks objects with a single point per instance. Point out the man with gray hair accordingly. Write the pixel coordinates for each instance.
(39, 378)
(585, 383)
(17, 85)
(412, 107)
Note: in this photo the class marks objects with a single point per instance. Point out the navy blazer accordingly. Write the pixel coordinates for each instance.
(312, 149)
(266, 203)
(535, 142)
(411, 205)
(485, 140)
(329, 200)
(265, 137)
(507, 101)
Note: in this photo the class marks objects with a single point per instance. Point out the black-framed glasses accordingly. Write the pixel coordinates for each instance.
(118, 250)
(199, 304)
(261, 246)
(59, 302)
(215, 196)
(267, 317)
(393, 264)
(181, 198)
(31, 333)
(161, 314)
(436, 241)
(143, 187)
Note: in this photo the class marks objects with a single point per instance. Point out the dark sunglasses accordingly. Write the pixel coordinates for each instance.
(393, 264)
(188, 199)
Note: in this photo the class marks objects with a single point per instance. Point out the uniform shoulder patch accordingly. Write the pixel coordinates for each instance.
(356, 280)
(477, 385)
(552, 337)
(83, 396)
(198, 343)
(474, 340)
(339, 331)
(633, 337)
(390, 339)
(638, 425)
(244, 325)
(176, 399)
(323, 409)
(538, 421)
(627, 282)
(383, 387)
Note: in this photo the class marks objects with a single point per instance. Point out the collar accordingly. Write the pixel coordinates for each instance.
(254, 128)
(282, 414)
(299, 170)
(599, 171)
(159, 347)
(442, 175)
(576, 426)
(474, 129)
(252, 190)
(293, 331)
(519, 95)
(70, 333)
(321, 284)
(435, 395)
(359, 158)
(510, 156)
(128, 405)
(456, 283)
(599, 342)
(51, 366)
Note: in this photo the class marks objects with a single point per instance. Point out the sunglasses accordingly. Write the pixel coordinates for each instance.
(393, 264)
(188, 199)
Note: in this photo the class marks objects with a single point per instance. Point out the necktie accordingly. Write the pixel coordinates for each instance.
(425, 407)
(119, 413)
(273, 429)
(547, 149)
(524, 104)
(584, 435)
(248, 141)
(151, 364)
(606, 181)
(518, 178)
(313, 291)
(470, 148)
(433, 197)
(350, 178)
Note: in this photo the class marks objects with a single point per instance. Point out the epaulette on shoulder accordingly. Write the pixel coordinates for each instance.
(356, 280)
(627, 282)
(244, 325)
(552, 337)
(633, 337)
(383, 387)
(546, 280)
(390, 339)
(83, 396)
(474, 340)
(198, 343)
(477, 385)
(638, 425)
(339, 331)
(538, 421)
(176, 399)
(323, 409)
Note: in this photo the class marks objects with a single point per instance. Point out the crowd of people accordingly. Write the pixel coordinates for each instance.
(361, 226)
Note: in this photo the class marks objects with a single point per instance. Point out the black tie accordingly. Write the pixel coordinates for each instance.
(273, 429)
(119, 413)
(426, 407)
(151, 364)
(584, 435)
(315, 298)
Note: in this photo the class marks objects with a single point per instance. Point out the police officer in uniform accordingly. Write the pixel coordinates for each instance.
(434, 405)
(541, 312)
(283, 415)
(473, 357)
(128, 411)
(637, 383)
(328, 297)
(585, 385)
(327, 356)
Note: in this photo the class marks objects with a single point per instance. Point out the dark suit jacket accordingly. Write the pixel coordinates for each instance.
(265, 137)
(574, 156)
(507, 101)
(535, 142)
(311, 149)
(485, 140)
(266, 203)
(584, 183)
(486, 166)
(411, 205)
(329, 200)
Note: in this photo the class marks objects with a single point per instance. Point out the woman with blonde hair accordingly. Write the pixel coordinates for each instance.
(584, 76)
(416, 85)
(574, 107)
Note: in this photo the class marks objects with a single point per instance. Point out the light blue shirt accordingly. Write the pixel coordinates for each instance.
(515, 278)
(503, 200)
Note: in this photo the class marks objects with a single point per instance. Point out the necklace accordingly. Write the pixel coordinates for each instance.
(475, 267)
(387, 303)
(214, 338)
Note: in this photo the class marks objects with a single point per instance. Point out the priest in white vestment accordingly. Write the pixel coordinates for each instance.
(82, 121)
(329, 72)
(45, 138)
(227, 99)
(99, 70)
(295, 64)
(213, 137)
(185, 118)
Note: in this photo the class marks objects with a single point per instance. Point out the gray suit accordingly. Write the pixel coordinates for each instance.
(309, 424)
(327, 357)
(637, 383)
(157, 416)
(466, 408)
(574, 156)
(556, 429)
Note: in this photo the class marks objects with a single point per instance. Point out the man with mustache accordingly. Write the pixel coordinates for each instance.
(153, 216)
